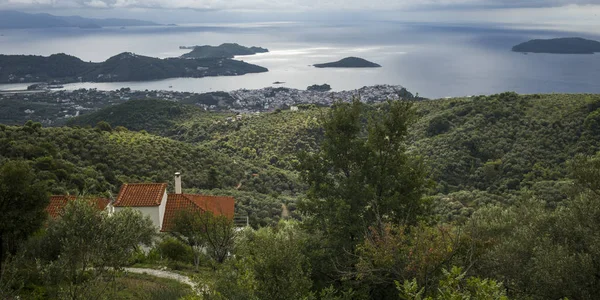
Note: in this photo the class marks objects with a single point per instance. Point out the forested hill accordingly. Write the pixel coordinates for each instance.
(491, 147)
(97, 161)
(122, 67)
(155, 116)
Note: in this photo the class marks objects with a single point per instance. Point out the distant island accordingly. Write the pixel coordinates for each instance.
(349, 62)
(571, 45)
(62, 68)
(227, 50)
(10, 19)
(319, 88)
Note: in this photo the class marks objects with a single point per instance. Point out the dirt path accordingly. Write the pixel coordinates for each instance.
(165, 274)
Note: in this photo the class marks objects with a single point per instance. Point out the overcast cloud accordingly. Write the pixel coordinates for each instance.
(288, 5)
(576, 14)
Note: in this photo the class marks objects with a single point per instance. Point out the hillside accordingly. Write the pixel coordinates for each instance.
(488, 148)
(349, 62)
(155, 116)
(122, 67)
(33, 68)
(507, 189)
(573, 45)
(479, 150)
(227, 50)
(98, 161)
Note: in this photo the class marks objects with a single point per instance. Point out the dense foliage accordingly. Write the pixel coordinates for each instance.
(361, 178)
(22, 204)
(490, 197)
(79, 254)
(72, 160)
(155, 116)
(479, 150)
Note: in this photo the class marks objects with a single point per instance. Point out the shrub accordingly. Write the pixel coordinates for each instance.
(175, 250)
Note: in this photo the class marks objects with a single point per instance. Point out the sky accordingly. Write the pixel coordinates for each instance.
(583, 13)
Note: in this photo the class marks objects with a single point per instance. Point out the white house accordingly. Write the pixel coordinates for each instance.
(149, 198)
(152, 200)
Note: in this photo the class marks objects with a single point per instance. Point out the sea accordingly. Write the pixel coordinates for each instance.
(432, 59)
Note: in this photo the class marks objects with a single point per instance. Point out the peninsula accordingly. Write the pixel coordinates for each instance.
(227, 50)
(571, 45)
(63, 68)
(349, 62)
(19, 20)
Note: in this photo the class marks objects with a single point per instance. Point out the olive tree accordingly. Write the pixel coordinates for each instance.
(85, 244)
(205, 232)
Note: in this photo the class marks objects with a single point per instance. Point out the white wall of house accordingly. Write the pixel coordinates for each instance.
(151, 211)
(161, 210)
(156, 213)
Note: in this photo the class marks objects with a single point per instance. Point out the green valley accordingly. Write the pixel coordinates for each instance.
(478, 197)
(495, 147)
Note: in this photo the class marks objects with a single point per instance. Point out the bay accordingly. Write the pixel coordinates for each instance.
(434, 60)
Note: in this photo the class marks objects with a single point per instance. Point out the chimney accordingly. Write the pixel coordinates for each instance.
(177, 183)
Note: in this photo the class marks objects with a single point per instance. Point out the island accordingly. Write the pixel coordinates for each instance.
(349, 62)
(227, 50)
(63, 68)
(319, 88)
(570, 45)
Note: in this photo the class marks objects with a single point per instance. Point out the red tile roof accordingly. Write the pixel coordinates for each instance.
(58, 203)
(177, 202)
(140, 194)
(218, 205)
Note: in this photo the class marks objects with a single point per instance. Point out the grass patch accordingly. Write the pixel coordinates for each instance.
(142, 286)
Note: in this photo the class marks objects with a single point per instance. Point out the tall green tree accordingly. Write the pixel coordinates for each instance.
(362, 177)
(269, 263)
(22, 204)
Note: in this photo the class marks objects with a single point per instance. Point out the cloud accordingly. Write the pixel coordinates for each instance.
(290, 5)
